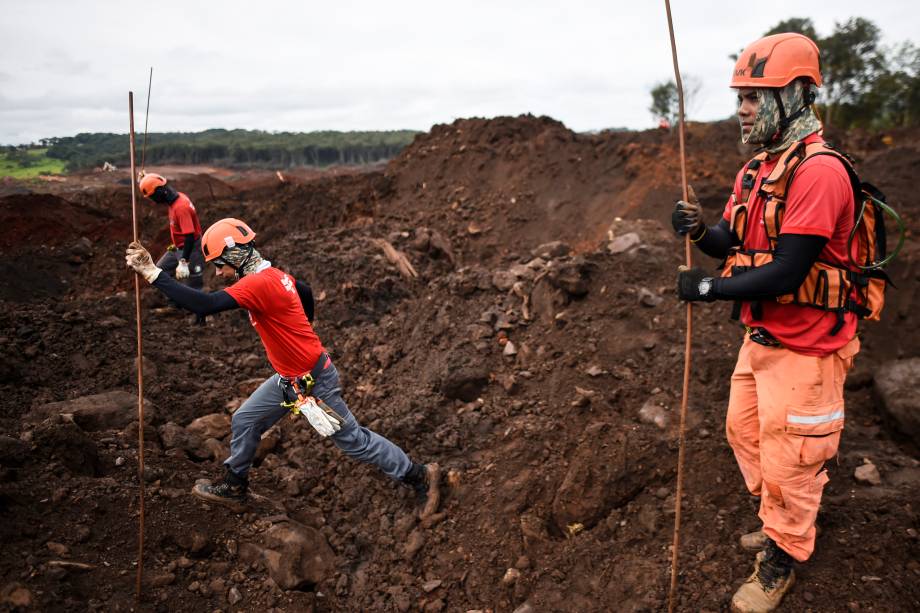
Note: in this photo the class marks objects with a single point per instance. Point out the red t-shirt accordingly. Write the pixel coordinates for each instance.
(183, 220)
(276, 313)
(819, 202)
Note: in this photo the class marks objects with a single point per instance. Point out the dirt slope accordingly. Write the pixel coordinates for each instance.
(553, 472)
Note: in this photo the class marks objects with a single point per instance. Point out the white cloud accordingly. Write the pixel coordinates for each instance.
(67, 66)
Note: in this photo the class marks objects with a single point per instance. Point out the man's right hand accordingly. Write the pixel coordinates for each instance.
(687, 217)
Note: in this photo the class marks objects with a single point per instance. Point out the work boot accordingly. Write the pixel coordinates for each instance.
(425, 479)
(756, 541)
(230, 492)
(764, 590)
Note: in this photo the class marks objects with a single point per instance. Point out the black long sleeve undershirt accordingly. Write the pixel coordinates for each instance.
(793, 257)
(717, 240)
(196, 301)
(187, 246)
(205, 303)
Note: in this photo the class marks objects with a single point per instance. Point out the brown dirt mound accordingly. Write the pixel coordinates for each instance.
(560, 496)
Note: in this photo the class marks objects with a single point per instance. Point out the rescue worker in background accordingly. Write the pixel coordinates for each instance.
(281, 310)
(785, 409)
(183, 259)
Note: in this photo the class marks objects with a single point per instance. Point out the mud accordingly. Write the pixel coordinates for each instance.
(557, 495)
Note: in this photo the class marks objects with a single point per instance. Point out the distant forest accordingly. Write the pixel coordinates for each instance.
(232, 148)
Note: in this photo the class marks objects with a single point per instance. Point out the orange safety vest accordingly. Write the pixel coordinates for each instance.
(829, 287)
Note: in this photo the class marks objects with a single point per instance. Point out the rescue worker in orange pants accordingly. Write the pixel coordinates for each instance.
(281, 310)
(182, 260)
(784, 234)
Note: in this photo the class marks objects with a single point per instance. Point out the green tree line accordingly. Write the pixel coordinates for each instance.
(232, 148)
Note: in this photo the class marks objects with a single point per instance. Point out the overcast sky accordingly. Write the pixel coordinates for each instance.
(66, 66)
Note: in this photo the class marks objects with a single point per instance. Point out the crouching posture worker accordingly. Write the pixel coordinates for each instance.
(306, 381)
(784, 234)
(182, 259)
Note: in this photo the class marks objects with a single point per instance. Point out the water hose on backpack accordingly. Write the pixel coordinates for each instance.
(902, 233)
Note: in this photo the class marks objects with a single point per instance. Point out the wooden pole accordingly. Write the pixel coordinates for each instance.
(140, 364)
(681, 442)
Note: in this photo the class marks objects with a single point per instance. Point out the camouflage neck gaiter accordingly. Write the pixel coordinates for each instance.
(766, 129)
(234, 256)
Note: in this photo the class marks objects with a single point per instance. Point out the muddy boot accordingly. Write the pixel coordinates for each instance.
(757, 541)
(425, 479)
(773, 576)
(230, 492)
(754, 541)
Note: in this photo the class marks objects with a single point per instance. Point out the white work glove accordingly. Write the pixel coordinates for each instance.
(322, 418)
(139, 259)
(182, 270)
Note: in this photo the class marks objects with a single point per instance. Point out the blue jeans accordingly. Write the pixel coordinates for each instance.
(263, 409)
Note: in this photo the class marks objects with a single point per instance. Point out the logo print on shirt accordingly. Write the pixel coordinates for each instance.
(288, 284)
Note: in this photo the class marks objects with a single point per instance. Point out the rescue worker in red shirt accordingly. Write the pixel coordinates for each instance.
(281, 310)
(182, 259)
(785, 409)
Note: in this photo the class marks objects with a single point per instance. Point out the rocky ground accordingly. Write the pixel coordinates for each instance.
(536, 353)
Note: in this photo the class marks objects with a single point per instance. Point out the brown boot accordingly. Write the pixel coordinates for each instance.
(229, 492)
(753, 541)
(764, 590)
(756, 541)
(425, 479)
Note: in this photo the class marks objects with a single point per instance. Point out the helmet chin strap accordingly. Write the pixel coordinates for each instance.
(808, 98)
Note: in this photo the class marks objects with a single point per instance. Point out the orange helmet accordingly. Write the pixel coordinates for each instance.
(150, 182)
(775, 61)
(228, 232)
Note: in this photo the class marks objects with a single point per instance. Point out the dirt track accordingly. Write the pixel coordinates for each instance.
(553, 472)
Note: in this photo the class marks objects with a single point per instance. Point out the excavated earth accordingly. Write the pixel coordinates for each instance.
(537, 356)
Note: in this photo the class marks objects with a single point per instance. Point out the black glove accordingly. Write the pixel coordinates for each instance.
(687, 217)
(695, 284)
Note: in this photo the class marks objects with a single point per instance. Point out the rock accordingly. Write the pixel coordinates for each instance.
(509, 350)
(602, 476)
(463, 379)
(511, 576)
(554, 249)
(896, 383)
(66, 443)
(430, 586)
(16, 595)
(193, 541)
(215, 425)
(595, 371)
(624, 243)
(13, 452)
(503, 280)
(211, 449)
(868, 473)
(174, 436)
(653, 413)
(297, 556)
(234, 596)
(649, 298)
(524, 608)
(571, 277)
(161, 580)
(58, 549)
(267, 444)
(109, 410)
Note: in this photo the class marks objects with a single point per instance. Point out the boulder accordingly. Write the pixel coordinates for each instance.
(624, 243)
(110, 410)
(605, 472)
(174, 436)
(554, 249)
(297, 556)
(64, 442)
(215, 425)
(896, 383)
